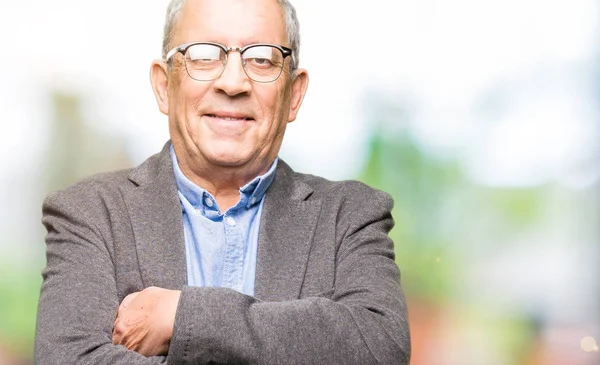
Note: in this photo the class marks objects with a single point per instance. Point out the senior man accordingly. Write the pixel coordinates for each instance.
(214, 250)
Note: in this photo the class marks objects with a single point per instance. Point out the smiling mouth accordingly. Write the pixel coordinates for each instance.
(228, 117)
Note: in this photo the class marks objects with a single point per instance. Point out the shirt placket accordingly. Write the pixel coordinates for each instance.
(233, 260)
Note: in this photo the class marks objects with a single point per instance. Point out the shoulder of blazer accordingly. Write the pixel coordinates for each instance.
(300, 186)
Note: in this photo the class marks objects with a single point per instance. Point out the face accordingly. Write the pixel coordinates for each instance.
(231, 122)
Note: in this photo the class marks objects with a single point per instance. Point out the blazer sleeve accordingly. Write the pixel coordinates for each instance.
(363, 321)
(78, 300)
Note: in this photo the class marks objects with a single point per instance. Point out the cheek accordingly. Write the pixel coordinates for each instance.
(274, 104)
(183, 112)
(187, 100)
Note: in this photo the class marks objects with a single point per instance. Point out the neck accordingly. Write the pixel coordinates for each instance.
(222, 182)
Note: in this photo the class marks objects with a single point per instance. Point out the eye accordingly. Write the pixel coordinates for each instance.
(204, 53)
(261, 56)
(260, 62)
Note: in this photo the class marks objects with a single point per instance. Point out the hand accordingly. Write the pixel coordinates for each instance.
(145, 321)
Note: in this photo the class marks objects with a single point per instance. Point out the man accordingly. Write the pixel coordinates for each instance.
(214, 250)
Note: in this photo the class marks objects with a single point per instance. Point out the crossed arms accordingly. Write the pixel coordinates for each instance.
(83, 319)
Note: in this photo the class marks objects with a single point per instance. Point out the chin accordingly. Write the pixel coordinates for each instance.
(230, 160)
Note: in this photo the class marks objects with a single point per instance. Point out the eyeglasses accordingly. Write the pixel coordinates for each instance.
(206, 61)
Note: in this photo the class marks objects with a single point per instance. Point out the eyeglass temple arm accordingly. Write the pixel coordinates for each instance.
(172, 53)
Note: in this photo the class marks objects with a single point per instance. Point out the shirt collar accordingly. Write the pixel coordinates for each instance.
(250, 194)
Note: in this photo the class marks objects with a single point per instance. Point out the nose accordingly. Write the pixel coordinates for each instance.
(233, 81)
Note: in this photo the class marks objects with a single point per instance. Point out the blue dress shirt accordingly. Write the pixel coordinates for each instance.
(221, 248)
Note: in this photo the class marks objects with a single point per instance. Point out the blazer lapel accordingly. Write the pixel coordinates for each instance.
(157, 224)
(287, 227)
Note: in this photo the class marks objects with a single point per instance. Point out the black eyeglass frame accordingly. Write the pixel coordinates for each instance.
(182, 48)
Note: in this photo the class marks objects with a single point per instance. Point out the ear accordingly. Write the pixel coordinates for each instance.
(299, 86)
(160, 84)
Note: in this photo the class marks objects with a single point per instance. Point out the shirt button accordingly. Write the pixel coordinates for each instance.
(230, 221)
(208, 202)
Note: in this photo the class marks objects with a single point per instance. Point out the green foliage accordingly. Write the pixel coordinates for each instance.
(520, 207)
(420, 186)
(19, 293)
(441, 216)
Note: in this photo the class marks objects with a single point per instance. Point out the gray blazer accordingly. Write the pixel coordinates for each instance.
(327, 288)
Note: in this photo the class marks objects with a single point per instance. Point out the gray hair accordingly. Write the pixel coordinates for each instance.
(292, 27)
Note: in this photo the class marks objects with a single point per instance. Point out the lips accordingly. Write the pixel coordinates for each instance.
(227, 124)
(228, 116)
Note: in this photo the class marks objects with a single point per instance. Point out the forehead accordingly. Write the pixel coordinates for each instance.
(231, 22)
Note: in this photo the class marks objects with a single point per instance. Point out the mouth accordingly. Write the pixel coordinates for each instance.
(228, 124)
(232, 117)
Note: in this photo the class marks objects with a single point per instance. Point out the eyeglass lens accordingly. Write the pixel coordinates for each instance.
(205, 62)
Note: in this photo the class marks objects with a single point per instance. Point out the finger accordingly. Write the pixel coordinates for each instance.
(116, 335)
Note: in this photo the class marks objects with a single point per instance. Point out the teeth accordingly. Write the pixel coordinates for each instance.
(228, 118)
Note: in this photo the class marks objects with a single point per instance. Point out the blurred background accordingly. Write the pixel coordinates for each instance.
(481, 118)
